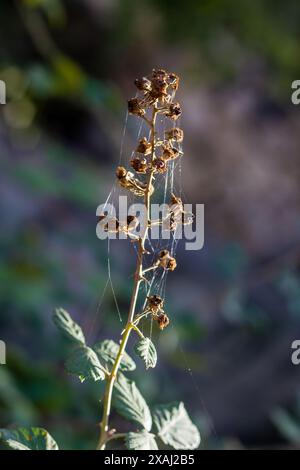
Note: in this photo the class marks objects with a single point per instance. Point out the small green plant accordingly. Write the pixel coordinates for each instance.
(165, 425)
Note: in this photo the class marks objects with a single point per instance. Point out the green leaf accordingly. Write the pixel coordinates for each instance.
(108, 351)
(146, 350)
(174, 427)
(85, 364)
(28, 439)
(129, 403)
(142, 440)
(69, 328)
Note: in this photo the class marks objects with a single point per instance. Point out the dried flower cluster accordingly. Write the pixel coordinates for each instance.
(152, 156)
(155, 307)
(157, 90)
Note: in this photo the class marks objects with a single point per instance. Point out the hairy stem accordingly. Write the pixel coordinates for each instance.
(138, 278)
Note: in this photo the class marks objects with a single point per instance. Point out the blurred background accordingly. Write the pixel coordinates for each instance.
(69, 67)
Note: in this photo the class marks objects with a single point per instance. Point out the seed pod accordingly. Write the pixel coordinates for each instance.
(163, 321)
(140, 165)
(169, 152)
(159, 165)
(175, 134)
(135, 107)
(167, 261)
(144, 146)
(159, 89)
(174, 111)
(155, 303)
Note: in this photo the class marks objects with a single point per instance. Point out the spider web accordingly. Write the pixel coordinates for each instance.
(165, 184)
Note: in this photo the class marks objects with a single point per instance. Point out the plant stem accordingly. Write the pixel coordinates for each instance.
(138, 278)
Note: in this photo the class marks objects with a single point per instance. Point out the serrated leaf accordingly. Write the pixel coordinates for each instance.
(142, 440)
(174, 426)
(28, 439)
(108, 351)
(67, 326)
(85, 364)
(129, 403)
(146, 350)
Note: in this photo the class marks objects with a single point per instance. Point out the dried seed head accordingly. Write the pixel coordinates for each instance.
(159, 88)
(174, 111)
(128, 181)
(169, 152)
(171, 264)
(140, 165)
(162, 320)
(121, 172)
(167, 261)
(155, 303)
(135, 107)
(174, 134)
(160, 165)
(144, 146)
(159, 74)
(143, 84)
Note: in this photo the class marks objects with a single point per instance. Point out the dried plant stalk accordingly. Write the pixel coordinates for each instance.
(158, 95)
